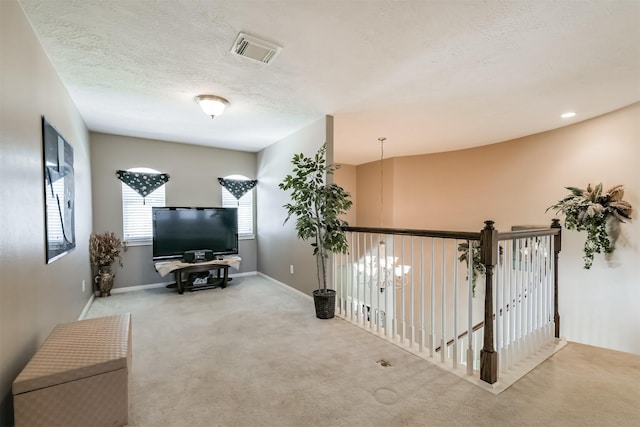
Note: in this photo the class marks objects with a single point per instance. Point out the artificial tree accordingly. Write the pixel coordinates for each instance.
(318, 208)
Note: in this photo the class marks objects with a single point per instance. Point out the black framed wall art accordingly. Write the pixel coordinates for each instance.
(59, 193)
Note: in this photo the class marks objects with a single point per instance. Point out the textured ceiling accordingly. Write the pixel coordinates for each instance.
(429, 76)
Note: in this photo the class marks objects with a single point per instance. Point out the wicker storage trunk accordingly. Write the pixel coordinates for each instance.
(78, 377)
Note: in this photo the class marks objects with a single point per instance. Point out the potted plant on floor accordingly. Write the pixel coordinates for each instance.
(104, 250)
(318, 207)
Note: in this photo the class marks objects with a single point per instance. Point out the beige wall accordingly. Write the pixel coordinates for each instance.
(513, 183)
(345, 176)
(194, 172)
(278, 246)
(369, 198)
(34, 295)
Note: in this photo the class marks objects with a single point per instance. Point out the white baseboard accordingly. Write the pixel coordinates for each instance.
(247, 274)
(139, 287)
(286, 287)
(86, 308)
(164, 284)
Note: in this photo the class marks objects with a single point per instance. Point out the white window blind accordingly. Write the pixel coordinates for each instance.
(136, 212)
(245, 207)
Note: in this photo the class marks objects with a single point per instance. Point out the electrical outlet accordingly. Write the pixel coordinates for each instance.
(84, 285)
(291, 269)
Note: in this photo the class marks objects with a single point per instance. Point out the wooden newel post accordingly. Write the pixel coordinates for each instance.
(488, 257)
(557, 247)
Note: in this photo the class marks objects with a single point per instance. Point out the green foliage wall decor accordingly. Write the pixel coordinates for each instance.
(591, 210)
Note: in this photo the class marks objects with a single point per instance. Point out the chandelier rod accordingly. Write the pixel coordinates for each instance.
(382, 140)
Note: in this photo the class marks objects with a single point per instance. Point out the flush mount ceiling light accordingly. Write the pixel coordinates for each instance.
(212, 105)
(568, 115)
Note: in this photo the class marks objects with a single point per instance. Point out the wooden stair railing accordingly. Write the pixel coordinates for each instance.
(490, 253)
(489, 249)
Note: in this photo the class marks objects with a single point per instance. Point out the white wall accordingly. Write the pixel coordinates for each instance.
(34, 295)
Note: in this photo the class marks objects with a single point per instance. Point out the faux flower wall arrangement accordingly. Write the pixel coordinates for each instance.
(594, 211)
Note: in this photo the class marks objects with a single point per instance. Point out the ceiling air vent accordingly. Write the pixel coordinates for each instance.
(254, 48)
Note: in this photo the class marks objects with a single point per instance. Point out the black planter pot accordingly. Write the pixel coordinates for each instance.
(325, 302)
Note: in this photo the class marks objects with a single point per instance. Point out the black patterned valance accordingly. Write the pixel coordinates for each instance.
(237, 187)
(143, 183)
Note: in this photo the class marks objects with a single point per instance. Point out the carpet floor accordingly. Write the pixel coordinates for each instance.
(253, 354)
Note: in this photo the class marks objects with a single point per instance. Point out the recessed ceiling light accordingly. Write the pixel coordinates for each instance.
(568, 114)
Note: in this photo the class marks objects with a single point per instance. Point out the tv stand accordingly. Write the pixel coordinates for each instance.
(179, 268)
(189, 285)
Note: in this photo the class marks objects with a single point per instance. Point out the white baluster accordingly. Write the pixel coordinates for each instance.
(338, 284)
(470, 319)
(375, 304)
(359, 260)
(422, 329)
(519, 298)
(403, 328)
(539, 295)
(514, 300)
(550, 288)
(545, 260)
(456, 303)
(385, 284)
(368, 306)
(393, 326)
(335, 279)
(476, 346)
(354, 275)
(412, 326)
(545, 314)
(530, 297)
(549, 270)
(537, 299)
(432, 304)
(443, 314)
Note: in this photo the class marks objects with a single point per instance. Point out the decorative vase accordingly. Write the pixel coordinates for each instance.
(325, 303)
(104, 280)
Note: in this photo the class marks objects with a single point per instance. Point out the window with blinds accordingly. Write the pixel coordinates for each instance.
(244, 205)
(136, 212)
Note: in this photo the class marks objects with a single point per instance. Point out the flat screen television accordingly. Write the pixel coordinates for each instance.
(180, 229)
